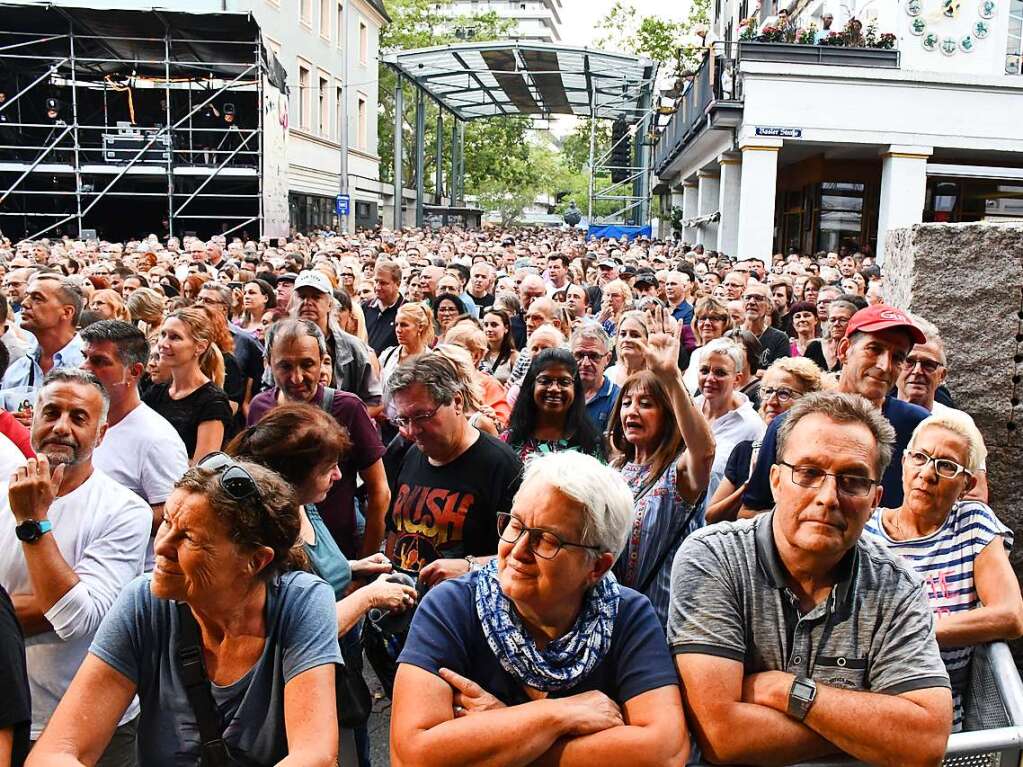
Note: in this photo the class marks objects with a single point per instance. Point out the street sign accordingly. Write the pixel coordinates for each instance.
(341, 204)
(780, 132)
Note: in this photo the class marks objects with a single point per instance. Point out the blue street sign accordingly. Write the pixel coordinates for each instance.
(341, 204)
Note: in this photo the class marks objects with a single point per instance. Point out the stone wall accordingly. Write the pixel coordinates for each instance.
(968, 280)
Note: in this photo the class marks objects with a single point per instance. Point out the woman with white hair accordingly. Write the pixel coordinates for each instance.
(540, 655)
(957, 545)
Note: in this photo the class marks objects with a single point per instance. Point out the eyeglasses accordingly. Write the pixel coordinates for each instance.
(929, 366)
(943, 467)
(544, 382)
(542, 543)
(404, 422)
(848, 484)
(591, 356)
(755, 298)
(235, 480)
(200, 301)
(783, 394)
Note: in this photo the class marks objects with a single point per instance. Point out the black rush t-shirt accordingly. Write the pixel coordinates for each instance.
(450, 511)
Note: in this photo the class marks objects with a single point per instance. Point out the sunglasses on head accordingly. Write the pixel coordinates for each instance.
(234, 479)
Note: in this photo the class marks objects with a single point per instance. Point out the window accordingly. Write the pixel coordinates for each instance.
(324, 114)
(340, 25)
(325, 19)
(1014, 48)
(363, 43)
(339, 109)
(305, 14)
(304, 96)
(360, 137)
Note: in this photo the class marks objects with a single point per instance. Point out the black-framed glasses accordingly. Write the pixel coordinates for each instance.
(782, 393)
(403, 422)
(929, 366)
(543, 543)
(234, 479)
(591, 356)
(848, 484)
(943, 467)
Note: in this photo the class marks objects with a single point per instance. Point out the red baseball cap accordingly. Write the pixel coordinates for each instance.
(880, 317)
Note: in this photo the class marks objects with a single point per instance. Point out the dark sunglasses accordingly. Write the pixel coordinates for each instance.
(234, 479)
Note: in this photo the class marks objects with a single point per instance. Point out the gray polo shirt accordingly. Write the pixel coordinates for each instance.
(874, 631)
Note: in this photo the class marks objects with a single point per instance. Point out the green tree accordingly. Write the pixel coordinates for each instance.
(421, 24)
(668, 42)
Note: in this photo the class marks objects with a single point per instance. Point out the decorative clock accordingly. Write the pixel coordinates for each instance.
(926, 25)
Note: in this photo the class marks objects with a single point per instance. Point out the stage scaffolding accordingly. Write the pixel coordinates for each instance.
(139, 140)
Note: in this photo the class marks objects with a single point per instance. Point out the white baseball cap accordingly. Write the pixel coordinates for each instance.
(311, 279)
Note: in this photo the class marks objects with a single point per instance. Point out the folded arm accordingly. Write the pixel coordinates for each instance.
(1000, 616)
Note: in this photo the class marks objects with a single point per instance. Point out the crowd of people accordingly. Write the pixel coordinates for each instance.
(571, 498)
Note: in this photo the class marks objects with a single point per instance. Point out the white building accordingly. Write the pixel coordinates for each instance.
(804, 148)
(537, 21)
(309, 40)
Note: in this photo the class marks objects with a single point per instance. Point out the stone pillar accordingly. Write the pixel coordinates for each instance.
(728, 202)
(707, 202)
(967, 280)
(903, 188)
(756, 198)
(690, 209)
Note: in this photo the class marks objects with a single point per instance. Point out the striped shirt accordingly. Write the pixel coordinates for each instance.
(944, 559)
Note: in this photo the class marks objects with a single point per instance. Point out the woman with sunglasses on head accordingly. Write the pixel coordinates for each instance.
(550, 412)
(710, 320)
(228, 606)
(957, 545)
(782, 384)
(304, 445)
(540, 656)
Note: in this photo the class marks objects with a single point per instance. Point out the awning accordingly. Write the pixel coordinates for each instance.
(475, 80)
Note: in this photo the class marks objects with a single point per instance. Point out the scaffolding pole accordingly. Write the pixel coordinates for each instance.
(420, 155)
(74, 122)
(399, 108)
(170, 149)
(438, 181)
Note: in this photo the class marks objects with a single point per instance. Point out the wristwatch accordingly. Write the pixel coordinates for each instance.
(31, 530)
(801, 697)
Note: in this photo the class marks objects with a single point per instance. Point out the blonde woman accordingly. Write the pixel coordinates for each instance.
(474, 341)
(146, 308)
(109, 305)
(193, 401)
(413, 327)
(630, 346)
(616, 300)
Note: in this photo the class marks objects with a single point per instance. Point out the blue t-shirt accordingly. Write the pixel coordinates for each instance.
(138, 638)
(903, 417)
(326, 557)
(446, 633)
(599, 408)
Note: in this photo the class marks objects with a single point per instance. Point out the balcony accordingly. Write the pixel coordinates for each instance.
(713, 96)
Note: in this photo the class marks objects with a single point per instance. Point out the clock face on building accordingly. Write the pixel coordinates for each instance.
(927, 22)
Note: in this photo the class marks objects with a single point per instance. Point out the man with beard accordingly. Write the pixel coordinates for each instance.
(295, 352)
(71, 539)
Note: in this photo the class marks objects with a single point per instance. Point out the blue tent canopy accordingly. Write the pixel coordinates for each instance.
(616, 231)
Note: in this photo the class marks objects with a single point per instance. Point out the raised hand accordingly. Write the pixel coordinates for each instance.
(32, 488)
(662, 354)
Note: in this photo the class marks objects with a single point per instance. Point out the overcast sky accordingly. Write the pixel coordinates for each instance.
(579, 17)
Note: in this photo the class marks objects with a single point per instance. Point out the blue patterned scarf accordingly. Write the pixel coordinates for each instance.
(564, 662)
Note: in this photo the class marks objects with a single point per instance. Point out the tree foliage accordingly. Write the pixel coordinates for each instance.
(672, 43)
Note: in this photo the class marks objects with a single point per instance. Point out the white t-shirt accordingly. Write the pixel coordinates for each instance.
(144, 453)
(11, 458)
(102, 530)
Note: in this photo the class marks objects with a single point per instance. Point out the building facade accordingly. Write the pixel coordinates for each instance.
(536, 21)
(780, 147)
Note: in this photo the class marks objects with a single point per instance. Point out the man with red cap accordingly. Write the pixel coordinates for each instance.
(877, 341)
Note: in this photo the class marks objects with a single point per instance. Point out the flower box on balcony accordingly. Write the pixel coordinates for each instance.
(793, 53)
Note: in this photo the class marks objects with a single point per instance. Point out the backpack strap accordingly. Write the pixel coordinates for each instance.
(197, 689)
(328, 399)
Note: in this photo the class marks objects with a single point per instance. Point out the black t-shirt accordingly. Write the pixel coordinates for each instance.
(449, 511)
(740, 462)
(207, 403)
(486, 300)
(774, 345)
(815, 353)
(248, 352)
(380, 325)
(15, 703)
